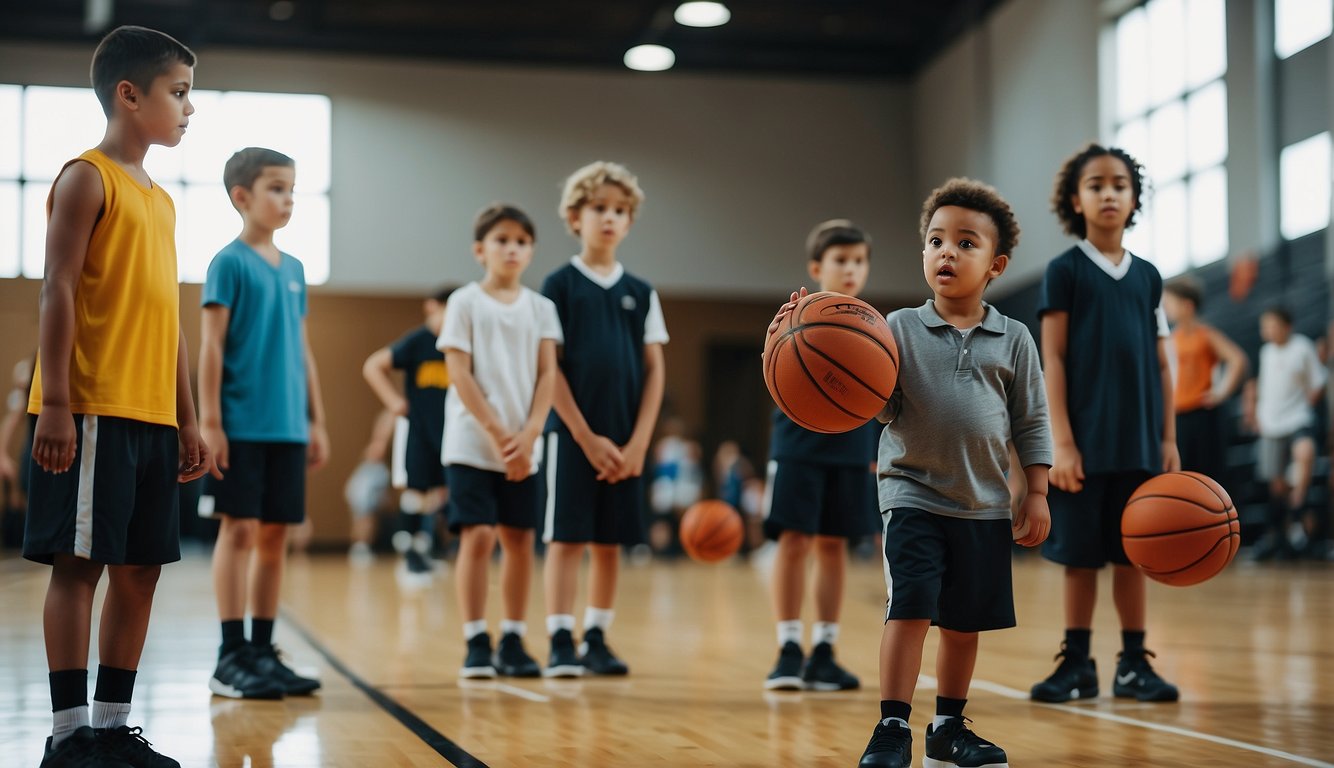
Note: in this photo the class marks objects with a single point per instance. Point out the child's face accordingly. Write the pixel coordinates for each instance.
(1105, 197)
(604, 221)
(960, 255)
(1176, 308)
(435, 315)
(268, 202)
(1273, 329)
(505, 251)
(165, 109)
(843, 268)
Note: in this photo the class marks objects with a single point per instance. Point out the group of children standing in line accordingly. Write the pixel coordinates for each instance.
(571, 379)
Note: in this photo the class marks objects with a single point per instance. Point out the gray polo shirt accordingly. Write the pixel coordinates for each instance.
(960, 399)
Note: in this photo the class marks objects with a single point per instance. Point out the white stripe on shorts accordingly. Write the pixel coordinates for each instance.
(83, 514)
(398, 475)
(767, 503)
(549, 527)
(884, 560)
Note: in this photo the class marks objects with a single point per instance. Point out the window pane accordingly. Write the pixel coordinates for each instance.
(10, 97)
(1208, 216)
(1133, 137)
(1304, 178)
(1206, 125)
(1132, 66)
(1167, 139)
(34, 228)
(1169, 220)
(207, 144)
(1206, 54)
(9, 229)
(212, 223)
(1167, 53)
(68, 120)
(1139, 238)
(297, 125)
(306, 236)
(1298, 24)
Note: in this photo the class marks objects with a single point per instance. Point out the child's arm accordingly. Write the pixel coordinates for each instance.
(376, 370)
(1171, 457)
(1033, 510)
(319, 434)
(634, 451)
(8, 468)
(1315, 377)
(77, 201)
(517, 452)
(1234, 360)
(602, 453)
(194, 458)
(1067, 470)
(1249, 396)
(213, 337)
(470, 392)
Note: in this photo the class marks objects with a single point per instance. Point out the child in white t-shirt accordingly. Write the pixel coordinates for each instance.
(499, 341)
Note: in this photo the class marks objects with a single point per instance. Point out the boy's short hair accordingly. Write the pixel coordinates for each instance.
(834, 232)
(136, 54)
(975, 196)
(1187, 288)
(493, 214)
(1279, 311)
(1067, 186)
(246, 165)
(581, 185)
(442, 294)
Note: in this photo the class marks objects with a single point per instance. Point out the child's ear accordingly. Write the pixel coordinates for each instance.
(813, 268)
(239, 195)
(1074, 201)
(998, 266)
(477, 250)
(572, 218)
(127, 94)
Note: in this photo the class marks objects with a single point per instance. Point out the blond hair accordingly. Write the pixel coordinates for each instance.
(581, 185)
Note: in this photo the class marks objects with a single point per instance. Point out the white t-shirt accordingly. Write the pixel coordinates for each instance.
(1287, 376)
(503, 340)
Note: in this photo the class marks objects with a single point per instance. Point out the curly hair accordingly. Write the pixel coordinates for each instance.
(581, 185)
(1067, 186)
(975, 196)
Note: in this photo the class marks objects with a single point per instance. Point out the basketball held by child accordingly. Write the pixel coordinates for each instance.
(711, 530)
(832, 364)
(1180, 528)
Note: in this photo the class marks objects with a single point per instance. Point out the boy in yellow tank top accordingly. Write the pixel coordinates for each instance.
(115, 420)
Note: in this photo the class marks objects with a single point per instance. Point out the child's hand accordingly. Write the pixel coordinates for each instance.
(54, 439)
(194, 458)
(1034, 515)
(786, 309)
(399, 407)
(632, 458)
(317, 453)
(216, 440)
(1067, 468)
(1171, 456)
(605, 457)
(517, 453)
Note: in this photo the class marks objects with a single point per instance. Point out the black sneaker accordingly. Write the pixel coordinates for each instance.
(563, 661)
(1075, 678)
(81, 749)
(1136, 679)
(237, 678)
(512, 660)
(129, 746)
(416, 563)
(890, 747)
(597, 657)
(787, 672)
(478, 662)
(268, 662)
(822, 673)
(952, 744)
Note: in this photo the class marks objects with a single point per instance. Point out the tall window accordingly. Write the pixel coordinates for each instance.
(1171, 114)
(1299, 24)
(1304, 172)
(54, 125)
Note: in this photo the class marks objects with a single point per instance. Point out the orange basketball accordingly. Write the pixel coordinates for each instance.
(831, 366)
(711, 530)
(1180, 528)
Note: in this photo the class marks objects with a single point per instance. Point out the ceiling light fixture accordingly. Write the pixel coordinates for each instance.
(650, 58)
(701, 14)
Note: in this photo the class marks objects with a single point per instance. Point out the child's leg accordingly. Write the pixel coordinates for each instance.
(266, 580)
(901, 661)
(1303, 459)
(231, 565)
(954, 664)
(789, 579)
(476, 543)
(1129, 592)
(125, 613)
(1081, 595)
(560, 577)
(831, 564)
(67, 616)
(604, 568)
(516, 570)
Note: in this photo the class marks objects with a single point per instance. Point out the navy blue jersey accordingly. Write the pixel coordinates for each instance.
(790, 442)
(603, 354)
(1114, 392)
(425, 382)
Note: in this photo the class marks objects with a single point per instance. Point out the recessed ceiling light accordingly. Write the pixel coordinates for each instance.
(650, 58)
(700, 14)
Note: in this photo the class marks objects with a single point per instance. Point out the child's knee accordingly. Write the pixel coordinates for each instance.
(238, 533)
(141, 579)
(795, 543)
(272, 538)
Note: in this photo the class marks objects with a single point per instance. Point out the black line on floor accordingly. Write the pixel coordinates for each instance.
(434, 739)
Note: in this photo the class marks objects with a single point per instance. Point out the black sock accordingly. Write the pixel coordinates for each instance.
(427, 524)
(261, 631)
(408, 521)
(69, 688)
(892, 708)
(1078, 641)
(114, 686)
(1132, 642)
(950, 707)
(233, 636)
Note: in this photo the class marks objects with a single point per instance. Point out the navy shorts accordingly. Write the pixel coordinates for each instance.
(580, 508)
(482, 497)
(117, 504)
(416, 457)
(1086, 526)
(265, 481)
(951, 570)
(820, 500)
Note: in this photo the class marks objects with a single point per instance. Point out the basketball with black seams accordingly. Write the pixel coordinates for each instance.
(711, 530)
(1181, 528)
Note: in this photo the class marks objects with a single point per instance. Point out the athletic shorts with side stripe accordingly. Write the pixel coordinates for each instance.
(415, 459)
(820, 500)
(581, 508)
(117, 504)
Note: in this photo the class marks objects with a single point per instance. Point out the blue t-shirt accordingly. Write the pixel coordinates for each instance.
(1114, 391)
(264, 387)
(791, 442)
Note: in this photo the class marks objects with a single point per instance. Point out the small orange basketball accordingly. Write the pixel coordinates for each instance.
(711, 530)
(832, 365)
(1180, 528)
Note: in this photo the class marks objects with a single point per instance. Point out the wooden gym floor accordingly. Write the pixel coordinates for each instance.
(1252, 650)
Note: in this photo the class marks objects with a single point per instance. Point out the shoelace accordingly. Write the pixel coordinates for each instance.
(131, 738)
(889, 737)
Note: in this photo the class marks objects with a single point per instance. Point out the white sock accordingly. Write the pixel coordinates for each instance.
(941, 720)
(824, 632)
(789, 632)
(558, 621)
(109, 715)
(898, 720)
(421, 542)
(67, 721)
(598, 617)
(510, 626)
(473, 628)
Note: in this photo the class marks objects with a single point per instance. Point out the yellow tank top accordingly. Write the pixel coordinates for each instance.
(126, 305)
